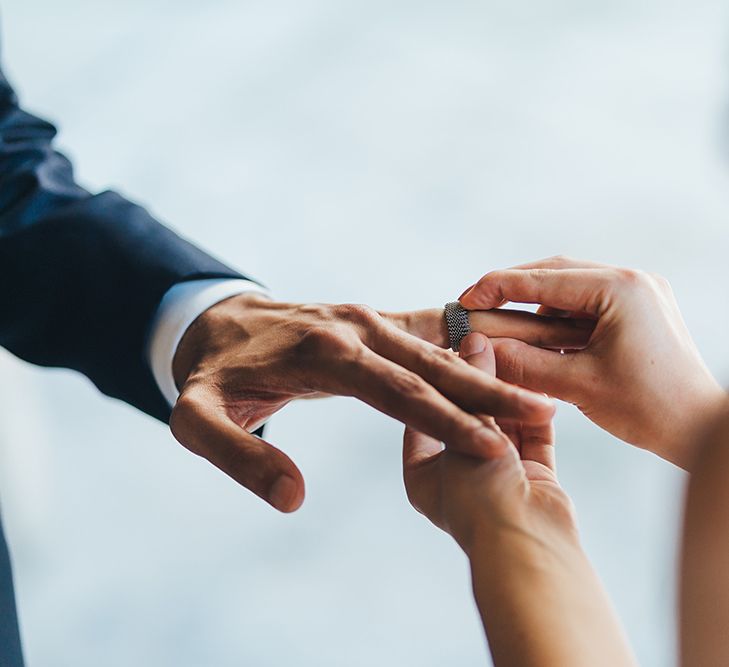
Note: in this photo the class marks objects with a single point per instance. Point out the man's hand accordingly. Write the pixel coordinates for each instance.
(246, 357)
(640, 376)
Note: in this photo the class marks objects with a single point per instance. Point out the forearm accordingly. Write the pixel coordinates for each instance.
(704, 599)
(542, 605)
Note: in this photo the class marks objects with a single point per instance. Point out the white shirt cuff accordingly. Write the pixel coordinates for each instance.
(181, 305)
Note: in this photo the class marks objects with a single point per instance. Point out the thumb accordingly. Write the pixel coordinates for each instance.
(478, 351)
(204, 428)
(545, 371)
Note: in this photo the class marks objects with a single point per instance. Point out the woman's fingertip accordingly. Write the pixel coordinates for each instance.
(466, 291)
(473, 343)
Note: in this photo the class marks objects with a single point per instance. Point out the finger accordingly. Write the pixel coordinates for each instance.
(478, 351)
(547, 371)
(534, 443)
(421, 480)
(540, 331)
(557, 333)
(204, 428)
(537, 444)
(406, 396)
(427, 325)
(563, 262)
(465, 386)
(554, 262)
(548, 311)
(417, 448)
(512, 430)
(587, 290)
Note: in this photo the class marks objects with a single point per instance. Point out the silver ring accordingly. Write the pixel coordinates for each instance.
(458, 323)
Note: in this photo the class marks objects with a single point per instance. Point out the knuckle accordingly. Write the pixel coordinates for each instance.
(559, 260)
(408, 383)
(316, 311)
(661, 282)
(489, 278)
(442, 363)
(469, 427)
(445, 358)
(511, 394)
(357, 313)
(630, 278)
(538, 277)
(322, 341)
(488, 288)
(186, 405)
(183, 416)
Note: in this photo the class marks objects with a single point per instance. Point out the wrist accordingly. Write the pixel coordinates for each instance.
(522, 544)
(209, 332)
(697, 419)
(540, 517)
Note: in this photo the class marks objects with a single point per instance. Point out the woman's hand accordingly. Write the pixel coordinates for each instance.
(640, 375)
(471, 498)
(540, 601)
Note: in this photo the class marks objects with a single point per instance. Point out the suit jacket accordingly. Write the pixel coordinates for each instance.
(81, 276)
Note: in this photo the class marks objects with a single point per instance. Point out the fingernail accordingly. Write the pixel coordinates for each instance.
(282, 493)
(466, 291)
(472, 344)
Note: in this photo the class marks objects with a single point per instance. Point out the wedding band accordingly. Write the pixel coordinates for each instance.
(457, 322)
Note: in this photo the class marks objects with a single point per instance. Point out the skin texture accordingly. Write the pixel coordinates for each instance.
(517, 527)
(640, 376)
(248, 356)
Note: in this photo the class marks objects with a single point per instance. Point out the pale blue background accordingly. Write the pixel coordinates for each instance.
(367, 151)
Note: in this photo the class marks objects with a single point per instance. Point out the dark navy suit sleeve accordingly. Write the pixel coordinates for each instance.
(81, 274)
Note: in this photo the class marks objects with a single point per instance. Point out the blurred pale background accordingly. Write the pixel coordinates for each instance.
(366, 151)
